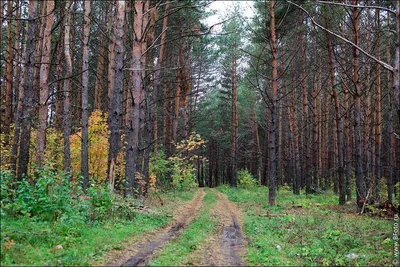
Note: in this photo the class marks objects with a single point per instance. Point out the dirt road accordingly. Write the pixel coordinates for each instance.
(226, 247)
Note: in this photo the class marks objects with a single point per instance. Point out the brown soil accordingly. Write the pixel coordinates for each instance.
(228, 246)
(138, 252)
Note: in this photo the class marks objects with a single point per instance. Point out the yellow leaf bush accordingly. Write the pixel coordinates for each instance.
(98, 148)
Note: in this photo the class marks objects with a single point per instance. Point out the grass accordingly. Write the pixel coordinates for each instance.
(317, 233)
(178, 251)
(26, 241)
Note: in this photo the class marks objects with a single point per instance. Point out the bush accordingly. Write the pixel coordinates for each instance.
(46, 199)
(159, 170)
(246, 180)
(101, 202)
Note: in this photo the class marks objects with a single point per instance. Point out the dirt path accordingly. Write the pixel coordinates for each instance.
(228, 246)
(139, 252)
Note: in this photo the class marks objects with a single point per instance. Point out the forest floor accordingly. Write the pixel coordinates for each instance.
(213, 238)
(210, 227)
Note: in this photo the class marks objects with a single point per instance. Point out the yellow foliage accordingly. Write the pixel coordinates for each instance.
(98, 147)
(152, 182)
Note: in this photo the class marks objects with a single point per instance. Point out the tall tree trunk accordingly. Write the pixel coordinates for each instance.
(115, 107)
(357, 112)
(29, 91)
(347, 142)
(59, 74)
(111, 56)
(378, 111)
(391, 137)
(314, 112)
(9, 76)
(20, 96)
(157, 78)
(234, 122)
(67, 87)
(136, 92)
(274, 95)
(179, 78)
(44, 86)
(100, 75)
(307, 154)
(85, 107)
(339, 130)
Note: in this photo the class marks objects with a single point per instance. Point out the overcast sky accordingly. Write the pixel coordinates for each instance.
(222, 6)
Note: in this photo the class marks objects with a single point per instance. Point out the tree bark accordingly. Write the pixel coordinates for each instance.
(67, 86)
(136, 93)
(115, 107)
(234, 122)
(29, 92)
(44, 86)
(357, 113)
(157, 78)
(9, 76)
(85, 107)
(274, 96)
(378, 111)
(391, 137)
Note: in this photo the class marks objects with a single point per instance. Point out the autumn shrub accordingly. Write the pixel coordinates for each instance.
(246, 180)
(98, 148)
(183, 171)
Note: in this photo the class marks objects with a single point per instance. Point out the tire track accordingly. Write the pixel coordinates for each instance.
(139, 253)
(228, 246)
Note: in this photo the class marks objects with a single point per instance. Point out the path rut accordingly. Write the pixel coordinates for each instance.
(228, 247)
(139, 253)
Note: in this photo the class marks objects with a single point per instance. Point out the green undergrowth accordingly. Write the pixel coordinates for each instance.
(178, 251)
(310, 230)
(51, 223)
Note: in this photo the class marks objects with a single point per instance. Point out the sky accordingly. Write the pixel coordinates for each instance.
(222, 6)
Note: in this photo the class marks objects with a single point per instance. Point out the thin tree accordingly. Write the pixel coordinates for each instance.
(66, 125)
(44, 85)
(273, 108)
(9, 75)
(85, 107)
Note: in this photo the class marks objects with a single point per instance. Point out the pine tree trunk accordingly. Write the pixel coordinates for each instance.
(347, 143)
(44, 86)
(98, 89)
(115, 107)
(66, 125)
(59, 74)
(85, 107)
(9, 76)
(391, 137)
(378, 111)
(274, 95)
(357, 112)
(29, 91)
(19, 100)
(136, 93)
(234, 121)
(157, 78)
(179, 78)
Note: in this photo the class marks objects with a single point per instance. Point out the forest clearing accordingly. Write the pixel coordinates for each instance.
(199, 132)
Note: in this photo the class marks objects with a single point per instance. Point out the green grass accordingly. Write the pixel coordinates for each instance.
(26, 241)
(318, 233)
(178, 251)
